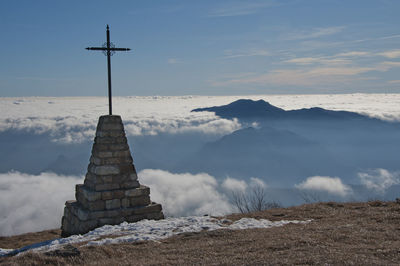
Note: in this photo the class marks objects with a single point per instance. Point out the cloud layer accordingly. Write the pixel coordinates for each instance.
(74, 119)
(186, 194)
(33, 203)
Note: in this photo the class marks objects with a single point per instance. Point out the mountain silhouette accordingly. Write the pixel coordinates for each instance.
(248, 109)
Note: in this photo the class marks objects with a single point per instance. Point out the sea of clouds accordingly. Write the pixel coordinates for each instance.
(74, 119)
(35, 201)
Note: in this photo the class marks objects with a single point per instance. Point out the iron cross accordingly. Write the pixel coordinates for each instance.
(108, 49)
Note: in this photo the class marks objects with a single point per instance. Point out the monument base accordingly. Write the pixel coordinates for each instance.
(111, 193)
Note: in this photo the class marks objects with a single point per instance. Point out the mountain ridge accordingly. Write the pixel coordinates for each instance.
(247, 109)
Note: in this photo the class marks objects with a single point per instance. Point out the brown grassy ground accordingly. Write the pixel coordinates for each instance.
(341, 234)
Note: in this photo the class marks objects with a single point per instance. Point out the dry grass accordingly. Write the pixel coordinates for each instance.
(351, 233)
(28, 239)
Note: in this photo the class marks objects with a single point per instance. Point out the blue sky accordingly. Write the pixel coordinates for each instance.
(200, 47)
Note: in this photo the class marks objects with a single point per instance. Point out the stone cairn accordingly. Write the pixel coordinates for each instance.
(111, 193)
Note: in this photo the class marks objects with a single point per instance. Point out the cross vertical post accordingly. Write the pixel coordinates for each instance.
(109, 71)
(108, 49)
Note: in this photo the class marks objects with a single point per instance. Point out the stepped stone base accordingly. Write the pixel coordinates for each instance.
(111, 193)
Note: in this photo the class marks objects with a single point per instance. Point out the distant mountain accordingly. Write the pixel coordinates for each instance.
(249, 109)
(288, 146)
(277, 156)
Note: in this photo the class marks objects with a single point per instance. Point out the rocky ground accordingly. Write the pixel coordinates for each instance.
(340, 233)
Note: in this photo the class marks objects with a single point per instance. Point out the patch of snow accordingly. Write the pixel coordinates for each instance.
(4, 251)
(148, 230)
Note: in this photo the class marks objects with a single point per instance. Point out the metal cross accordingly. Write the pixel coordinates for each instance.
(108, 49)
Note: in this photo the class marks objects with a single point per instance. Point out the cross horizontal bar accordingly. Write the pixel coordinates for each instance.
(107, 49)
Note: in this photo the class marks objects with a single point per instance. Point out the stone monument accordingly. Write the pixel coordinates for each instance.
(111, 193)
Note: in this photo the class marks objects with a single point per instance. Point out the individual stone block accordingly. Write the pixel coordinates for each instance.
(132, 184)
(107, 195)
(136, 192)
(125, 203)
(113, 134)
(154, 207)
(102, 154)
(113, 204)
(140, 201)
(118, 194)
(104, 169)
(97, 205)
(109, 140)
(125, 153)
(108, 178)
(83, 215)
(112, 126)
(103, 187)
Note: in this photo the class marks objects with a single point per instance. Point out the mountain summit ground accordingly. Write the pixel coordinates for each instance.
(340, 233)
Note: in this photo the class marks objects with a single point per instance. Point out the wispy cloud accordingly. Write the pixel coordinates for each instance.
(379, 180)
(240, 8)
(343, 58)
(353, 54)
(44, 78)
(313, 33)
(318, 60)
(173, 61)
(389, 64)
(391, 54)
(245, 53)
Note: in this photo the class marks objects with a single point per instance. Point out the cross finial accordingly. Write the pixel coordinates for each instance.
(109, 49)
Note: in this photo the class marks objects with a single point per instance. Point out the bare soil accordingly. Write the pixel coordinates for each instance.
(340, 234)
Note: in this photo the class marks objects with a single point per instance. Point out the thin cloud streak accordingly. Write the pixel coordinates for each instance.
(314, 33)
(391, 54)
(245, 53)
(240, 9)
(173, 61)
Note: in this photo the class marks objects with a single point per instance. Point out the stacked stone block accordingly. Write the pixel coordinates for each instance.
(111, 192)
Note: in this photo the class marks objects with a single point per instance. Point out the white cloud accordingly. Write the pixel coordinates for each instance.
(379, 179)
(185, 194)
(332, 185)
(256, 182)
(391, 54)
(232, 184)
(33, 202)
